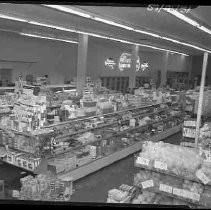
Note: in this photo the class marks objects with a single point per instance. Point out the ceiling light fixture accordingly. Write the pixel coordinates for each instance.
(80, 32)
(188, 20)
(68, 10)
(82, 14)
(50, 38)
(12, 18)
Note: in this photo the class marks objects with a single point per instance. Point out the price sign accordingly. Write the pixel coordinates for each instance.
(190, 123)
(147, 184)
(132, 122)
(200, 174)
(142, 161)
(160, 165)
(177, 192)
(191, 195)
(165, 188)
(185, 193)
(188, 132)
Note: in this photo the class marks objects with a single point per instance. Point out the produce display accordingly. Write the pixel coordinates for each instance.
(44, 188)
(178, 171)
(205, 135)
(167, 185)
(124, 194)
(156, 198)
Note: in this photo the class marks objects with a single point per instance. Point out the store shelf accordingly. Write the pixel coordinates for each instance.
(168, 173)
(154, 190)
(117, 134)
(41, 169)
(102, 162)
(104, 115)
(59, 138)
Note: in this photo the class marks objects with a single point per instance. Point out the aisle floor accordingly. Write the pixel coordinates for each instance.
(94, 187)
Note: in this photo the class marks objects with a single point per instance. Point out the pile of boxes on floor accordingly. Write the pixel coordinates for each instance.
(45, 188)
(124, 194)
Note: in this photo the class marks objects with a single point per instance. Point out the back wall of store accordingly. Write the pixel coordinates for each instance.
(58, 60)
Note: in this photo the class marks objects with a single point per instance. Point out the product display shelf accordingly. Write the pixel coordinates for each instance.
(92, 117)
(149, 124)
(105, 115)
(60, 138)
(156, 190)
(167, 173)
(39, 170)
(120, 133)
(5, 113)
(102, 162)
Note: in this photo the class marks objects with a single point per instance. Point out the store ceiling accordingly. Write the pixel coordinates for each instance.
(161, 23)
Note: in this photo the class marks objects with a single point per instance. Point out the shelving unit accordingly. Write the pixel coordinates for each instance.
(108, 159)
(111, 158)
(171, 191)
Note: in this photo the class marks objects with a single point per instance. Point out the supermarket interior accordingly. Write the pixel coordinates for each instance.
(105, 104)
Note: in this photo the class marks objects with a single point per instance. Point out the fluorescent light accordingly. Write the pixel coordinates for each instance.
(65, 9)
(148, 33)
(182, 17)
(12, 18)
(205, 29)
(174, 12)
(113, 23)
(50, 38)
(188, 20)
(77, 31)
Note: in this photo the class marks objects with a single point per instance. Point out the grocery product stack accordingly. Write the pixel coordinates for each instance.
(178, 172)
(29, 113)
(205, 136)
(44, 188)
(194, 96)
(124, 194)
(6, 101)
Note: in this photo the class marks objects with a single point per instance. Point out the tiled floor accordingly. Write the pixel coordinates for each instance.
(92, 188)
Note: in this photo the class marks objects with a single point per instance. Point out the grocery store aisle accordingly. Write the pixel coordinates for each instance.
(93, 188)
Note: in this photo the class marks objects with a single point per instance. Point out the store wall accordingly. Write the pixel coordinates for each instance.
(56, 59)
(59, 59)
(99, 52)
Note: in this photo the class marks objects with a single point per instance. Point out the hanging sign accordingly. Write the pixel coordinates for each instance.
(110, 63)
(125, 62)
(144, 66)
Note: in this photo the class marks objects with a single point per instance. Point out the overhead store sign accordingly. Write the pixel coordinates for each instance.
(144, 66)
(110, 63)
(125, 62)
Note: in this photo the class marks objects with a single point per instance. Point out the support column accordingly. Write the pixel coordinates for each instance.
(132, 77)
(164, 70)
(82, 62)
(201, 95)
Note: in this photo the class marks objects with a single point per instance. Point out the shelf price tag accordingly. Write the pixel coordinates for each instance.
(147, 184)
(200, 174)
(142, 161)
(160, 165)
(165, 188)
(191, 195)
(185, 193)
(177, 192)
(132, 122)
